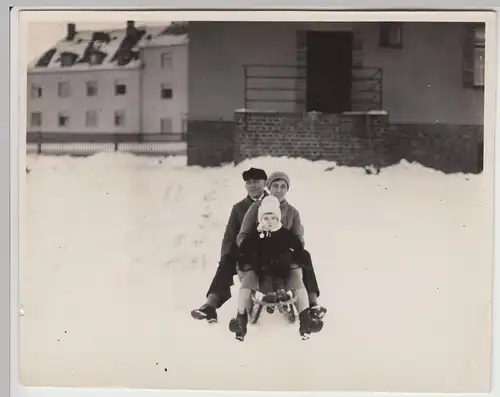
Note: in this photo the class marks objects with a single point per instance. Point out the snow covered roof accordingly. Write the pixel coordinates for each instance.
(105, 49)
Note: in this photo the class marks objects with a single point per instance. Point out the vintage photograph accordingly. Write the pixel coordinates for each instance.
(252, 205)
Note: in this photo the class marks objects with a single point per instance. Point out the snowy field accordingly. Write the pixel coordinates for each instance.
(119, 249)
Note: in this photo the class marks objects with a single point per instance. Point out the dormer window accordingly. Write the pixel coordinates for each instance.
(96, 58)
(123, 58)
(67, 59)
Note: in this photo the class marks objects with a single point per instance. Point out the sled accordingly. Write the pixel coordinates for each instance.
(286, 308)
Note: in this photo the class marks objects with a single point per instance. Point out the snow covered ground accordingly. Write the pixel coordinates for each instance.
(120, 248)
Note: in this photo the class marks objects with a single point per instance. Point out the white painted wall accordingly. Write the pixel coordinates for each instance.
(154, 108)
(422, 82)
(105, 103)
(142, 104)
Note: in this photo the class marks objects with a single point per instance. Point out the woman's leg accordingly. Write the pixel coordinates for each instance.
(249, 282)
(295, 283)
(307, 323)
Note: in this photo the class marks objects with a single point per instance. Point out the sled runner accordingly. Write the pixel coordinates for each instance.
(286, 308)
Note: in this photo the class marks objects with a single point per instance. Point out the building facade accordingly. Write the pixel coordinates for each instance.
(164, 99)
(110, 82)
(426, 80)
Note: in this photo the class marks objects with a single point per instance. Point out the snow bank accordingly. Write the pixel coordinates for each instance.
(120, 248)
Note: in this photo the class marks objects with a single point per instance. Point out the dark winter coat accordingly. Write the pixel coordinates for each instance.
(229, 248)
(272, 254)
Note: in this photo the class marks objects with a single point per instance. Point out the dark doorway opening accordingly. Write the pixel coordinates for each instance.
(329, 71)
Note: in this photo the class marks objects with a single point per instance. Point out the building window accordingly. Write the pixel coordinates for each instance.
(120, 88)
(391, 34)
(91, 118)
(36, 91)
(36, 119)
(474, 56)
(166, 125)
(119, 118)
(96, 58)
(91, 88)
(63, 119)
(166, 91)
(167, 61)
(63, 89)
(479, 57)
(67, 59)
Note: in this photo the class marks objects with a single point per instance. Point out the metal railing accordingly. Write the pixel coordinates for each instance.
(367, 88)
(284, 87)
(84, 143)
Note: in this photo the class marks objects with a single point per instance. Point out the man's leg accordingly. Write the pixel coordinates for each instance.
(311, 284)
(218, 293)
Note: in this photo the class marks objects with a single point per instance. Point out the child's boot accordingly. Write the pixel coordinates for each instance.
(270, 297)
(282, 295)
(238, 325)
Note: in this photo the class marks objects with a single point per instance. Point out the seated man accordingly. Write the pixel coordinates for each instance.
(220, 288)
(268, 253)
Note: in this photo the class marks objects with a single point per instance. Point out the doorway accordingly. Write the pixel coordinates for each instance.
(329, 71)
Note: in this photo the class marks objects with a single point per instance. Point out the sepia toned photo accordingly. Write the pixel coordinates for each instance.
(263, 203)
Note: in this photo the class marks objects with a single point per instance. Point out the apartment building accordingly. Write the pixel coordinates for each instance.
(132, 80)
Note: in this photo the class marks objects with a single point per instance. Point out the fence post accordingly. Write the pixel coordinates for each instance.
(39, 142)
(116, 142)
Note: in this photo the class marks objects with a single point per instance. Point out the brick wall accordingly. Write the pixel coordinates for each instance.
(351, 140)
(210, 143)
(449, 148)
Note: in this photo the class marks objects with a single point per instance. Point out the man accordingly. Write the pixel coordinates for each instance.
(220, 289)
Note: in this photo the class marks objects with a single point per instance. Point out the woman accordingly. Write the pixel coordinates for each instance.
(278, 184)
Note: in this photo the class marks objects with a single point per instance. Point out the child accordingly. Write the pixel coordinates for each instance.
(268, 254)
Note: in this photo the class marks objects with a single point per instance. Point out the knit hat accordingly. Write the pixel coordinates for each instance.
(276, 176)
(269, 205)
(254, 173)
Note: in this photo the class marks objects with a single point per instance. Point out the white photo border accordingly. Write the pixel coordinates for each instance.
(14, 145)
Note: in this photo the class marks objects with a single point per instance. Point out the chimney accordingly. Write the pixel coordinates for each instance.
(131, 31)
(71, 31)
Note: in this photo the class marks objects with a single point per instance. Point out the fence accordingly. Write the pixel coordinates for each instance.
(84, 144)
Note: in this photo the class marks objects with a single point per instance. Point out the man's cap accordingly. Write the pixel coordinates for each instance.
(255, 174)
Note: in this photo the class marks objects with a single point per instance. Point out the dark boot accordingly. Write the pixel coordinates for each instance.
(238, 325)
(284, 296)
(205, 312)
(270, 297)
(308, 325)
(318, 312)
